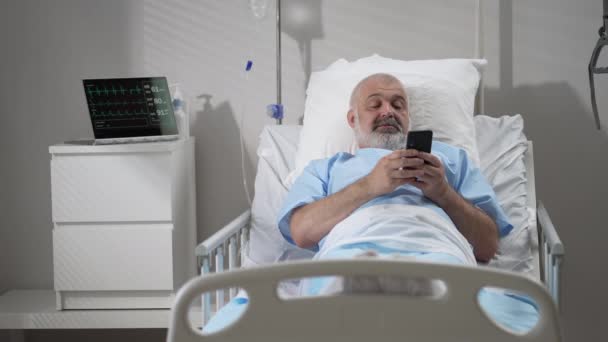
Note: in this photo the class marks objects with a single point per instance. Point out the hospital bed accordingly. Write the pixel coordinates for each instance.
(529, 262)
(249, 269)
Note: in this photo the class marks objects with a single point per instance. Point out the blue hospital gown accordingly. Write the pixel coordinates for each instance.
(324, 177)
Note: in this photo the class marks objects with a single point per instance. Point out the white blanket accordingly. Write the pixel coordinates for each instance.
(402, 228)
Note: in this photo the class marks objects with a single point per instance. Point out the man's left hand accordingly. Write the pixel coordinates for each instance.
(433, 184)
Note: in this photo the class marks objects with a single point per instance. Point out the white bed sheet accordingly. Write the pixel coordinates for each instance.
(502, 162)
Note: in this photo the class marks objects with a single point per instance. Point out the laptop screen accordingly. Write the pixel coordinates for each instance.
(130, 107)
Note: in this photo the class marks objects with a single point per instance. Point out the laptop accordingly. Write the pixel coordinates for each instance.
(130, 110)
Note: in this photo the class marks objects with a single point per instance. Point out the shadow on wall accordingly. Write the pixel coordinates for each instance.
(218, 165)
(570, 168)
(565, 143)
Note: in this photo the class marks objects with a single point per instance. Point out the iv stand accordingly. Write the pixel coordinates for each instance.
(279, 103)
(593, 68)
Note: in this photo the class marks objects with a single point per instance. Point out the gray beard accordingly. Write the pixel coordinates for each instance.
(387, 141)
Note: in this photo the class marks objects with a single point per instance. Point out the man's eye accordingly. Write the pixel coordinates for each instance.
(374, 104)
(398, 105)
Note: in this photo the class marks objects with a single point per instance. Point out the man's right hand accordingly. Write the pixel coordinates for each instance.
(311, 222)
(398, 168)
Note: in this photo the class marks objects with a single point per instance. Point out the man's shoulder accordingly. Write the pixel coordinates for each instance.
(444, 146)
(329, 162)
(453, 157)
(340, 156)
(451, 151)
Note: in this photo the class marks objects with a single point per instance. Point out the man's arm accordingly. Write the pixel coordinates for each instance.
(474, 224)
(311, 222)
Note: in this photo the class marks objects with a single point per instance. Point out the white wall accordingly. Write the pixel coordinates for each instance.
(204, 46)
(47, 49)
(538, 51)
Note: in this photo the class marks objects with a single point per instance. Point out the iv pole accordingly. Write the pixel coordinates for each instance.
(593, 69)
(279, 104)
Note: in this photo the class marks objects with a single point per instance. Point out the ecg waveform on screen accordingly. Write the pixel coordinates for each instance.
(129, 107)
(127, 103)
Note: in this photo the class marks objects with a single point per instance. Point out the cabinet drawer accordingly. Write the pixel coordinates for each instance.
(111, 188)
(113, 257)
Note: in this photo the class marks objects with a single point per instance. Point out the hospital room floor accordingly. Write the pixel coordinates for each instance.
(91, 335)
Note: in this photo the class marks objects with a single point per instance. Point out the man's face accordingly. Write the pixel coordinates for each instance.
(380, 117)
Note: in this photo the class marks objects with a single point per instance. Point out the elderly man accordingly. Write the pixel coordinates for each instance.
(385, 200)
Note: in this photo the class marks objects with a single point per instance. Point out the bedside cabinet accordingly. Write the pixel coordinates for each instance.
(124, 223)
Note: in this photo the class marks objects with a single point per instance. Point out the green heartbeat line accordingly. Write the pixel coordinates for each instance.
(97, 91)
(119, 103)
(119, 113)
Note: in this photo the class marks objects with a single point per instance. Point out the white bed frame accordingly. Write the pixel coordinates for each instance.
(345, 315)
(456, 316)
(547, 248)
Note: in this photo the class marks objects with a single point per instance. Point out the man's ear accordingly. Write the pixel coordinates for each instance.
(350, 116)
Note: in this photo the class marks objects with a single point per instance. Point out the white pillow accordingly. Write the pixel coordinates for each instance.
(441, 95)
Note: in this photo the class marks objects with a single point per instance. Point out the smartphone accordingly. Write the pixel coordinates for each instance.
(420, 140)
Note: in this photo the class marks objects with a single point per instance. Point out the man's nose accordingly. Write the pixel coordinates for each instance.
(386, 109)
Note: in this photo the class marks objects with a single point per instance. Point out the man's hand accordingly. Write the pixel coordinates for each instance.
(433, 183)
(426, 172)
(474, 224)
(398, 168)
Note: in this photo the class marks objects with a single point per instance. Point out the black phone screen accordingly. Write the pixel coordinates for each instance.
(420, 140)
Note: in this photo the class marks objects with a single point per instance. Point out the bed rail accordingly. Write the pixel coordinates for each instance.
(210, 255)
(456, 314)
(231, 240)
(551, 252)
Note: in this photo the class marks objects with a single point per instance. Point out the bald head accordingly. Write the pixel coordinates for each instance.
(379, 77)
